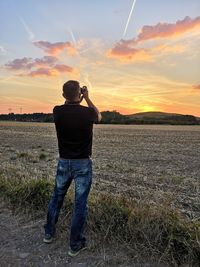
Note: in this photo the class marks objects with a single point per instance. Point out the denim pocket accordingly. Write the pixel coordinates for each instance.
(61, 169)
(82, 167)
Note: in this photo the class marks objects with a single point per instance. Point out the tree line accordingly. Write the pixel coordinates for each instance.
(109, 117)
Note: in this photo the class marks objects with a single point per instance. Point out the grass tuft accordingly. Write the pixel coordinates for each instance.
(23, 155)
(42, 156)
(34, 193)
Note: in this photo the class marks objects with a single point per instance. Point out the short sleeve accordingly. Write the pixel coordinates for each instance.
(94, 116)
(55, 113)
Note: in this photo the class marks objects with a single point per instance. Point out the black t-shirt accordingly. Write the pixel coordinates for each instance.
(74, 128)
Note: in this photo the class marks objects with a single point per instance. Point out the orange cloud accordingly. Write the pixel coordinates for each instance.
(53, 71)
(164, 30)
(55, 48)
(168, 49)
(42, 72)
(196, 86)
(63, 68)
(126, 50)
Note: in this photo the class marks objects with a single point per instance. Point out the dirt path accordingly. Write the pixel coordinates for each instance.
(21, 245)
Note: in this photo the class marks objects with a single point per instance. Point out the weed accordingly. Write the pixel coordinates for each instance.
(23, 155)
(34, 193)
(42, 156)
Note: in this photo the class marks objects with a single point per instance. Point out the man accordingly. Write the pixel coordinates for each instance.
(74, 125)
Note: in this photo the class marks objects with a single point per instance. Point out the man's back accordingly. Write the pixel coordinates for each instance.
(74, 127)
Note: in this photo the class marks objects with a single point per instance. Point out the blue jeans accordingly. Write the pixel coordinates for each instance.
(81, 171)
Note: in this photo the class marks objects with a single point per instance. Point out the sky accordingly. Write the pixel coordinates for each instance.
(149, 62)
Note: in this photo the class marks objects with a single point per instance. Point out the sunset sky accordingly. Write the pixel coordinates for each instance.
(153, 66)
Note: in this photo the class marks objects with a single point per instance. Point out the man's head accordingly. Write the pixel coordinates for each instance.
(71, 91)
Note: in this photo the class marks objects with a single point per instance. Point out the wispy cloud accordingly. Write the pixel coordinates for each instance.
(18, 63)
(55, 48)
(46, 66)
(40, 72)
(196, 86)
(28, 63)
(30, 33)
(125, 53)
(53, 71)
(2, 50)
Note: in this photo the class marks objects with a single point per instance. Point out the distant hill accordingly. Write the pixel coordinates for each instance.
(163, 118)
(114, 117)
(152, 117)
(154, 114)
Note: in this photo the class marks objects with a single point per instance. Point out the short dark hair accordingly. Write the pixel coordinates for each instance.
(71, 89)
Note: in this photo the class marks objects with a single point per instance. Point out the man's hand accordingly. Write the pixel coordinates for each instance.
(85, 92)
(89, 102)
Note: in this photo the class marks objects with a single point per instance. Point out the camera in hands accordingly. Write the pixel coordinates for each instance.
(83, 89)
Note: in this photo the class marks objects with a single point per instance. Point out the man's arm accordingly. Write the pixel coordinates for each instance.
(90, 104)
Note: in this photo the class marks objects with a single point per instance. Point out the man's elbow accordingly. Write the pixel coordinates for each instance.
(99, 117)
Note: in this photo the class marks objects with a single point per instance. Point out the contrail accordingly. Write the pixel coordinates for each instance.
(84, 75)
(72, 36)
(129, 17)
(75, 42)
(2, 50)
(86, 78)
(27, 29)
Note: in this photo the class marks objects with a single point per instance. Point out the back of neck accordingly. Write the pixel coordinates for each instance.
(72, 102)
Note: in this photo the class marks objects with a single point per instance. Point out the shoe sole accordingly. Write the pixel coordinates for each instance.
(47, 241)
(72, 254)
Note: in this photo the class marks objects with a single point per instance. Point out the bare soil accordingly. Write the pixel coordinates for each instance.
(21, 245)
(149, 163)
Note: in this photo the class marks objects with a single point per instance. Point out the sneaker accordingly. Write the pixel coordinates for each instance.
(73, 253)
(48, 238)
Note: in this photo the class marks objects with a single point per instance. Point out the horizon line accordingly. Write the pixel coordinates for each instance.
(108, 111)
